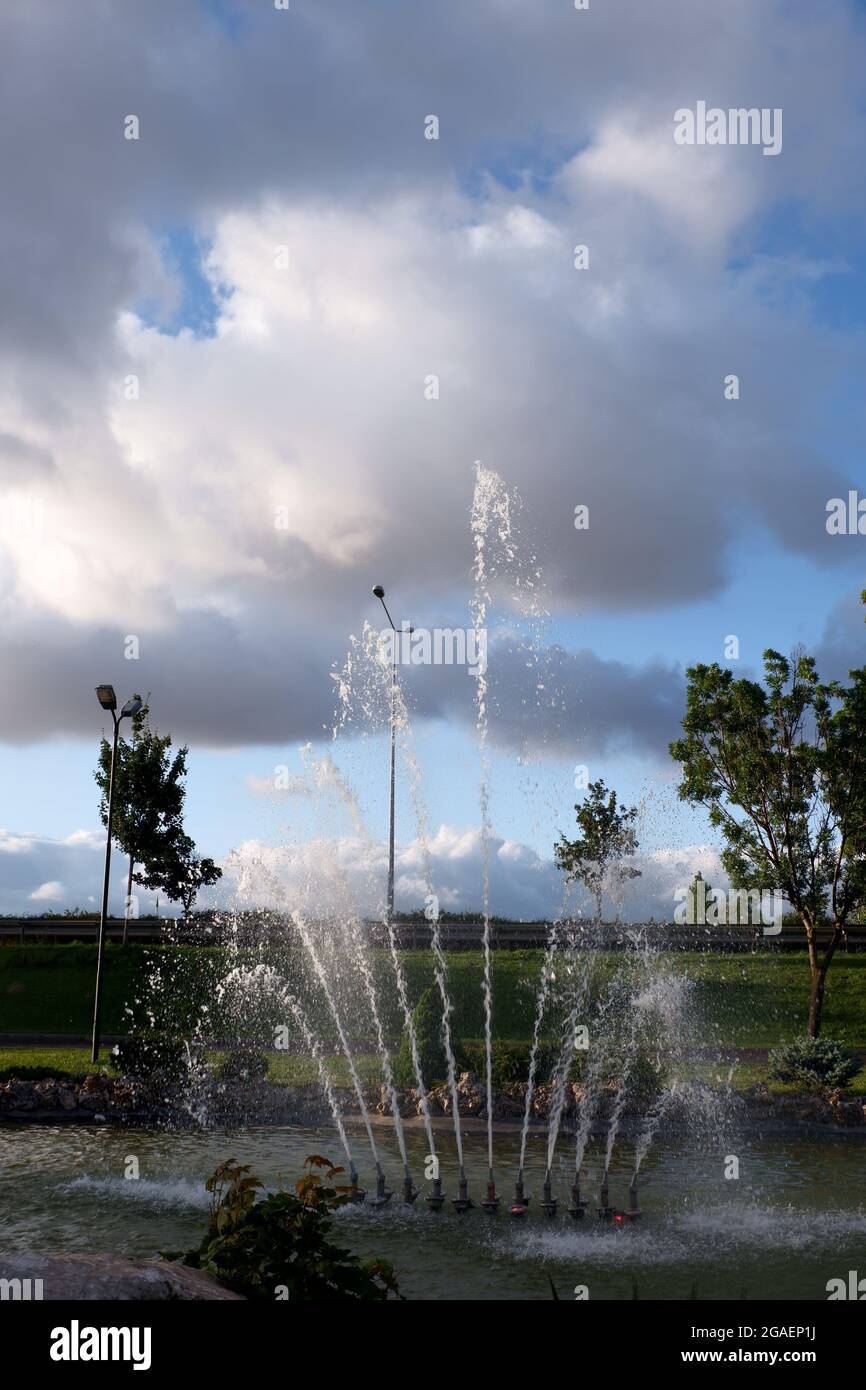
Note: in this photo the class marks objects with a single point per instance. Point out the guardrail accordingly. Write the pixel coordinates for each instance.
(414, 935)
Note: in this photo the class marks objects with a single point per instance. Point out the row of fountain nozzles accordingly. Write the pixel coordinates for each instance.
(519, 1203)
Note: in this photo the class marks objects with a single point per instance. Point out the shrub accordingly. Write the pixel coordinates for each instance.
(243, 1065)
(510, 1061)
(277, 1246)
(818, 1064)
(152, 1055)
(427, 1018)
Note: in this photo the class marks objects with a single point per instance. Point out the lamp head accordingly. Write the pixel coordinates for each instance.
(131, 707)
(106, 696)
(378, 591)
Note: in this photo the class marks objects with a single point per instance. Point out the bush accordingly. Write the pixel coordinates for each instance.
(149, 1056)
(243, 1065)
(818, 1064)
(276, 1247)
(509, 1061)
(427, 1018)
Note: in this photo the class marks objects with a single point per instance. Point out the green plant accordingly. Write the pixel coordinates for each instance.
(781, 768)
(152, 1056)
(818, 1064)
(243, 1065)
(509, 1061)
(277, 1247)
(427, 1021)
(597, 858)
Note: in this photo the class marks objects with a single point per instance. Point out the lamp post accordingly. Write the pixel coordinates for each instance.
(379, 592)
(108, 700)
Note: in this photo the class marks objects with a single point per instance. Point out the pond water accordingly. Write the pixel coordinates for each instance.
(795, 1217)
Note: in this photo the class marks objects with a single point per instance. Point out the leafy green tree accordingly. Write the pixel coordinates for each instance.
(179, 871)
(781, 768)
(596, 858)
(149, 793)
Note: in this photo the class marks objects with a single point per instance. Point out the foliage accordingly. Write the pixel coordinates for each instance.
(510, 1060)
(277, 1247)
(818, 1064)
(427, 1020)
(782, 772)
(147, 824)
(152, 1056)
(608, 838)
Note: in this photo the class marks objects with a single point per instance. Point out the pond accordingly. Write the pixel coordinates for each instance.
(794, 1219)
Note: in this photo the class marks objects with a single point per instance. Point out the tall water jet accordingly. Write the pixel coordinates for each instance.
(490, 500)
(321, 976)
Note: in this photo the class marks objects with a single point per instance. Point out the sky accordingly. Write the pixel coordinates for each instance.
(217, 430)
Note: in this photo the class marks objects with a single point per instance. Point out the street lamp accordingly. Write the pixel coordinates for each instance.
(108, 700)
(379, 593)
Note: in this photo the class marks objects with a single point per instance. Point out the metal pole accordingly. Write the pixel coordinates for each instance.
(100, 950)
(393, 749)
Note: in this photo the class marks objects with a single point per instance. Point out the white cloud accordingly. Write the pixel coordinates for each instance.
(49, 892)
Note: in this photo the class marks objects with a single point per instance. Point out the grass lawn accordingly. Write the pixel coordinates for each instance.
(35, 1063)
(737, 1001)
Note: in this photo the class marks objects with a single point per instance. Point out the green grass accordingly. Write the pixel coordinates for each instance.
(738, 1001)
(37, 1063)
(71, 1063)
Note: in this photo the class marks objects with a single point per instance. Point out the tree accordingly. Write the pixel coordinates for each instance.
(782, 772)
(179, 871)
(596, 858)
(149, 794)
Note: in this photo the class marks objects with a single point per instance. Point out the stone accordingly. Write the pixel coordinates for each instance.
(115, 1277)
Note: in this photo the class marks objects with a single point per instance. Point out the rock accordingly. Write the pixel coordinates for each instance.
(115, 1277)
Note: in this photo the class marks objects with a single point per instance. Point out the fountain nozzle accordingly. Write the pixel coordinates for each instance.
(436, 1200)
(634, 1211)
(356, 1193)
(383, 1193)
(491, 1201)
(578, 1204)
(548, 1201)
(519, 1201)
(410, 1191)
(462, 1202)
(605, 1210)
